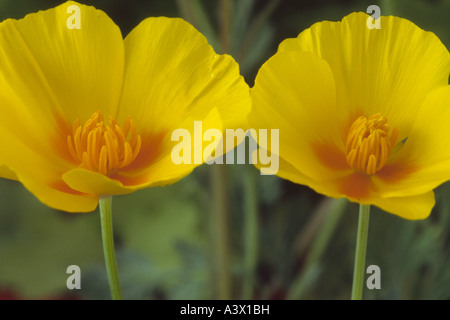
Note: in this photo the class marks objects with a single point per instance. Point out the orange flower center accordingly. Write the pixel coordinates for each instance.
(369, 143)
(104, 148)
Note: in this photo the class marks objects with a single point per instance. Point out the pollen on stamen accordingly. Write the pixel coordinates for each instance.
(104, 148)
(369, 143)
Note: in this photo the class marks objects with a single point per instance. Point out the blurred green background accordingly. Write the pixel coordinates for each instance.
(279, 240)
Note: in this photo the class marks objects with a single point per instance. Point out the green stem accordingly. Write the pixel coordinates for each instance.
(225, 25)
(219, 185)
(255, 27)
(108, 247)
(194, 12)
(250, 233)
(386, 7)
(220, 230)
(360, 256)
(328, 214)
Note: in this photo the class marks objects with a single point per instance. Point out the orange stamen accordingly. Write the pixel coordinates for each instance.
(104, 148)
(369, 143)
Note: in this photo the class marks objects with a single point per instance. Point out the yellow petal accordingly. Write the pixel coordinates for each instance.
(412, 208)
(49, 68)
(227, 91)
(229, 94)
(6, 172)
(50, 75)
(94, 182)
(43, 178)
(173, 73)
(289, 172)
(388, 70)
(423, 162)
(294, 92)
(56, 194)
(167, 65)
(409, 207)
(164, 170)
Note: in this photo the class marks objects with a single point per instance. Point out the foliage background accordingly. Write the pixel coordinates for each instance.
(284, 240)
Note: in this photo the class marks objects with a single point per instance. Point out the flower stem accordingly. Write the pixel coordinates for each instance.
(108, 247)
(225, 25)
(220, 231)
(250, 235)
(326, 218)
(360, 256)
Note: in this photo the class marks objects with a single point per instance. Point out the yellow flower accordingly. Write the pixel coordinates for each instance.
(85, 113)
(362, 113)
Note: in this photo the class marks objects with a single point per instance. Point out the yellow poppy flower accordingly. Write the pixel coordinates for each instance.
(362, 113)
(85, 113)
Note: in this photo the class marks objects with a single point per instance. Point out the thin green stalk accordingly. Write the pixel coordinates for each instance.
(220, 230)
(250, 234)
(329, 214)
(386, 7)
(219, 185)
(108, 247)
(256, 27)
(194, 12)
(360, 256)
(337, 208)
(225, 25)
